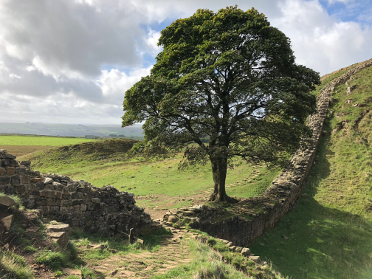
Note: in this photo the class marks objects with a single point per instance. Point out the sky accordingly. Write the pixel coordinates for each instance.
(71, 61)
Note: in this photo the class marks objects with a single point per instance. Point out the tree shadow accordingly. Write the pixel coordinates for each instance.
(314, 241)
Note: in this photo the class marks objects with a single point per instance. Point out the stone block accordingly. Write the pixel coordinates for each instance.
(20, 170)
(66, 203)
(2, 171)
(96, 200)
(71, 187)
(49, 193)
(10, 171)
(25, 179)
(15, 180)
(76, 202)
(54, 209)
(49, 186)
(50, 201)
(26, 164)
(37, 179)
(58, 194)
(4, 180)
(61, 238)
(64, 210)
(44, 210)
(40, 185)
(58, 186)
(83, 207)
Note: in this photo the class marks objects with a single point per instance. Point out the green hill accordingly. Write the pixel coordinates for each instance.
(330, 230)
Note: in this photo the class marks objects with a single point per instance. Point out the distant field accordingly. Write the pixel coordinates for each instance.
(43, 141)
(22, 145)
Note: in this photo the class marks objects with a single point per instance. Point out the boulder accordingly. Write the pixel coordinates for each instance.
(6, 222)
(6, 201)
(245, 252)
(172, 218)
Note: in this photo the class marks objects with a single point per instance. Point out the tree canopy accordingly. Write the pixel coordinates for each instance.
(228, 83)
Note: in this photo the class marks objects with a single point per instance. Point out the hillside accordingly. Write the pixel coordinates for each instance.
(329, 233)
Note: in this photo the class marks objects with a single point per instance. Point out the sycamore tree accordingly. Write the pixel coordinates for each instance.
(226, 84)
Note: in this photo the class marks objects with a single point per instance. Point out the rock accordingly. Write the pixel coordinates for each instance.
(6, 222)
(238, 249)
(245, 251)
(59, 228)
(6, 201)
(286, 238)
(48, 180)
(72, 272)
(232, 248)
(255, 259)
(61, 238)
(59, 233)
(350, 89)
(27, 164)
(172, 218)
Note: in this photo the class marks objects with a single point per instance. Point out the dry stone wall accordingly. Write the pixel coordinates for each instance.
(104, 210)
(268, 209)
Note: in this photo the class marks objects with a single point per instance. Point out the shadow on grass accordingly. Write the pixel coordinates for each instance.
(314, 241)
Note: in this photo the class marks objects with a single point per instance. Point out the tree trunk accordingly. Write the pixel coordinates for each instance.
(219, 169)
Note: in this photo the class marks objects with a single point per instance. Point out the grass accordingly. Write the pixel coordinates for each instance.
(56, 260)
(13, 266)
(116, 245)
(330, 231)
(207, 264)
(158, 180)
(39, 140)
(217, 263)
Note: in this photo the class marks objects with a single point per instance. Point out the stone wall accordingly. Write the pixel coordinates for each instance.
(256, 215)
(104, 210)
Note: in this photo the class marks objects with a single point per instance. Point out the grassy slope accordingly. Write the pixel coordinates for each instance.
(330, 231)
(157, 177)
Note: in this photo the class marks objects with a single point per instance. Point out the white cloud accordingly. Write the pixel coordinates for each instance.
(342, 1)
(114, 83)
(73, 60)
(320, 41)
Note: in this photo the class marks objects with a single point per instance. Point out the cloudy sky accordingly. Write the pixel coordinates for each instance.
(71, 61)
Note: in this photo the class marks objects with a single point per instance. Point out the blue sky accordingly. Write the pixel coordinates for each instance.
(71, 61)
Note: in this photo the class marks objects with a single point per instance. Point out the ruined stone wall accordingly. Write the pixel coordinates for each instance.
(104, 210)
(268, 209)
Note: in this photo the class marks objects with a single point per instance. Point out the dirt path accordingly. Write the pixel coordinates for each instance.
(172, 253)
